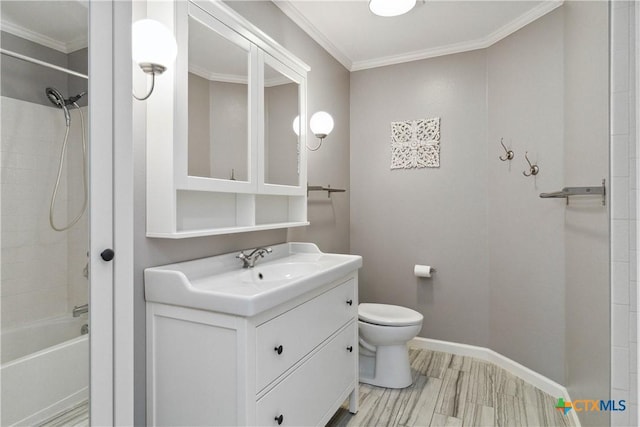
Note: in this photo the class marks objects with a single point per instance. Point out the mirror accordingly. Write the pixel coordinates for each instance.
(281, 107)
(218, 105)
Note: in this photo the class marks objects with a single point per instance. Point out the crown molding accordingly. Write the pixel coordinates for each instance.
(218, 77)
(292, 12)
(43, 40)
(523, 20)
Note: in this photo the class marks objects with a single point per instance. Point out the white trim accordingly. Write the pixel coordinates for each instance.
(217, 77)
(43, 40)
(101, 280)
(123, 229)
(636, 6)
(298, 18)
(249, 31)
(523, 20)
(486, 354)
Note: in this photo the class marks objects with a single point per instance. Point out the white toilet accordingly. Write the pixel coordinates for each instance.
(384, 332)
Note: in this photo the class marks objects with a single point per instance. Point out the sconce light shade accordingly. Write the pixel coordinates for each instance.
(391, 7)
(321, 124)
(153, 46)
(296, 125)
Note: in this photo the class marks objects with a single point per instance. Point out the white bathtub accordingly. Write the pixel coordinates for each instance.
(40, 378)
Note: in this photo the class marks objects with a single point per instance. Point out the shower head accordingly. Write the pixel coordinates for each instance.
(58, 100)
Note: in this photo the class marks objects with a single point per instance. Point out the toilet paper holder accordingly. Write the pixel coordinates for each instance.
(423, 270)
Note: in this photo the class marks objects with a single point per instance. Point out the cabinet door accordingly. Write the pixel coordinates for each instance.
(220, 98)
(282, 150)
(317, 387)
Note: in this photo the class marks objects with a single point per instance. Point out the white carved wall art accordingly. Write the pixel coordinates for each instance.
(415, 144)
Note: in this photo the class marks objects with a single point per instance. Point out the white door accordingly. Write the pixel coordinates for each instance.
(111, 214)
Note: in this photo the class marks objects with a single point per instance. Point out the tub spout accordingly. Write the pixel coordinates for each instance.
(80, 309)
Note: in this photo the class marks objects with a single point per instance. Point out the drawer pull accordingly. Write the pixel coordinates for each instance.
(278, 350)
(350, 301)
(350, 348)
(279, 419)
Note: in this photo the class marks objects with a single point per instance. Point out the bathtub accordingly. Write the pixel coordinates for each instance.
(44, 370)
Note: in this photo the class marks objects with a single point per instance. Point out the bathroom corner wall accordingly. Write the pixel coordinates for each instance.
(526, 233)
(328, 89)
(624, 367)
(435, 216)
(586, 140)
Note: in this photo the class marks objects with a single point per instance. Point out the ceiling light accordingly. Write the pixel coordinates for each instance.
(391, 7)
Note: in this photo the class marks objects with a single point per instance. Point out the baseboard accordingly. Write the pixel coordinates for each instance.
(540, 381)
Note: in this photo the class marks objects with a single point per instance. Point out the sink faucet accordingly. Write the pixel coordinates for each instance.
(80, 309)
(249, 261)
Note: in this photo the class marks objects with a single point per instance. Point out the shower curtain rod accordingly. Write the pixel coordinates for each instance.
(44, 64)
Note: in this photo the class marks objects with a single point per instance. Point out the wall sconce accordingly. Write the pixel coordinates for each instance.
(321, 125)
(153, 48)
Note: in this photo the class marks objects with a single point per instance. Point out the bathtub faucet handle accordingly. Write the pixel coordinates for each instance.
(80, 309)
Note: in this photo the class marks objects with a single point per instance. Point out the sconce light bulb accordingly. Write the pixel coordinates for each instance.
(153, 46)
(321, 124)
(296, 125)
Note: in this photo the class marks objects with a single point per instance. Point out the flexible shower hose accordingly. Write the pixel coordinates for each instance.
(60, 167)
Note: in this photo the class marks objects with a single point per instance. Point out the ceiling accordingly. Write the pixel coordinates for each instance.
(345, 28)
(360, 40)
(60, 25)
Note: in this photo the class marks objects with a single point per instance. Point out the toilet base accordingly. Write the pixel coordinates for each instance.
(388, 367)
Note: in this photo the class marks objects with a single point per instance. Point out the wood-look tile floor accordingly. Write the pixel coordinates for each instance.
(452, 390)
(448, 391)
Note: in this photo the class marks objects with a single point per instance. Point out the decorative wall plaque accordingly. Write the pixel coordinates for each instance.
(415, 144)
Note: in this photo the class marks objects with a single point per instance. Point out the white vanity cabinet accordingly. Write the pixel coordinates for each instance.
(222, 156)
(292, 364)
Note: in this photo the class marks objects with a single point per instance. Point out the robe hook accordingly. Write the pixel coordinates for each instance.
(533, 169)
(508, 153)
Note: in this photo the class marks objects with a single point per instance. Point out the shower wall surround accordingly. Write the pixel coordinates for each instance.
(624, 190)
(42, 270)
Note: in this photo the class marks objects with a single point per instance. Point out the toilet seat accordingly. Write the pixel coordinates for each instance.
(388, 315)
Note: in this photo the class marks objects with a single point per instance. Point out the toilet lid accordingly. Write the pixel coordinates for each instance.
(388, 315)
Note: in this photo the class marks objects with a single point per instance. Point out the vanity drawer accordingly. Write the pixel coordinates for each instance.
(286, 339)
(305, 396)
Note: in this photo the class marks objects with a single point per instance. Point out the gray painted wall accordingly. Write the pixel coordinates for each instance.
(586, 162)
(328, 89)
(429, 216)
(499, 249)
(526, 234)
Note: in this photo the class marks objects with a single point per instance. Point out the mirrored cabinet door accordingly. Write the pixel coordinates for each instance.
(282, 135)
(281, 141)
(218, 116)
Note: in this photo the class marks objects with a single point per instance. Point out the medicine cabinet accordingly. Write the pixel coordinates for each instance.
(222, 156)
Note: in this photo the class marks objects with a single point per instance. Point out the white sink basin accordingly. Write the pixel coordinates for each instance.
(279, 272)
(220, 283)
